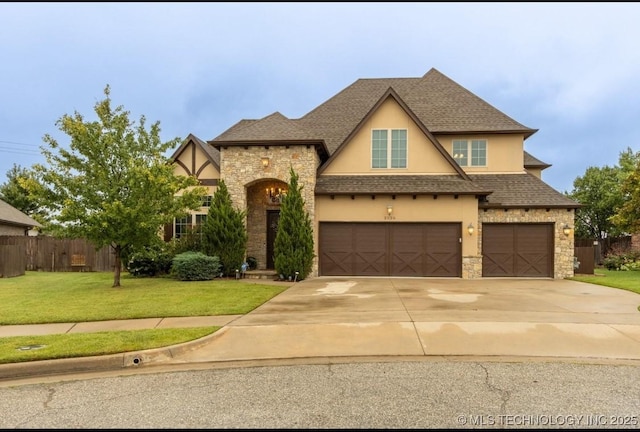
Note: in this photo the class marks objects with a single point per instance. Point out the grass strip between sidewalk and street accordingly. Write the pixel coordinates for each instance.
(69, 297)
(30, 348)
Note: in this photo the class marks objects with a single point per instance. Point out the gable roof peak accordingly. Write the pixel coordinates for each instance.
(432, 71)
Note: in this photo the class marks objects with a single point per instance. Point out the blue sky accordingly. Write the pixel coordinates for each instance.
(570, 70)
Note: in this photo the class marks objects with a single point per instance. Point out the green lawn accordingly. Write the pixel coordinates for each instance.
(627, 280)
(43, 297)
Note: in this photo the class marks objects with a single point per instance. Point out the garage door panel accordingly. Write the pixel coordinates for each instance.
(498, 264)
(443, 264)
(443, 256)
(336, 249)
(407, 246)
(533, 265)
(370, 246)
(337, 263)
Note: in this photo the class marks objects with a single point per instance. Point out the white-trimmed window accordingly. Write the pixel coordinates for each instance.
(182, 226)
(385, 154)
(191, 222)
(470, 152)
(206, 200)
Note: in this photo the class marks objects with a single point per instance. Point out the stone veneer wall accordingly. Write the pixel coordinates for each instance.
(245, 177)
(563, 245)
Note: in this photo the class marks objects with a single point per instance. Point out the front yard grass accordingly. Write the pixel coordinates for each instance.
(626, 280)
(43, 297)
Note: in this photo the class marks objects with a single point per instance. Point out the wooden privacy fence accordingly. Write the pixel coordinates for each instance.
(43, 253)
(13, 260)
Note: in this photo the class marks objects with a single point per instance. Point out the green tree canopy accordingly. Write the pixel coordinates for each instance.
(293, 245)
(627, 217)
(113, 185)
(15, 193)
(600, 192)
(224, 232)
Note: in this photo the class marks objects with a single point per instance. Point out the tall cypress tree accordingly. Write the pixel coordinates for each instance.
(224, 233)
(293, 246)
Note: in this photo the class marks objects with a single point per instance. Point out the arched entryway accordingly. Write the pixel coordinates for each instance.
(263, 213)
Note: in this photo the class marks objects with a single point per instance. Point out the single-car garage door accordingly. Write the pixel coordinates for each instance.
(390, 249)
(517, 250)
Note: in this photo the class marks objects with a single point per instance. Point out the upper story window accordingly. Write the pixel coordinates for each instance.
(206, 201)
(470, 152)
(385, 154)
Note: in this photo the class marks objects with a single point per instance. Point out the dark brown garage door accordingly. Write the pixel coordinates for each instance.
(517, 250)
(390, 249)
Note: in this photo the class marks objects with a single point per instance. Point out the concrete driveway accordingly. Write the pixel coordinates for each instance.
(372, 317)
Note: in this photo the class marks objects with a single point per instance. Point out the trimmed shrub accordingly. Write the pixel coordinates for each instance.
(252, 262)
(293, 246)
(629, 260)
(148, 262)
(224, 233)
(191, 241)
(194, 266)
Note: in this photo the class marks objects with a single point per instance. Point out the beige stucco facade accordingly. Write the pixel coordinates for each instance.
(422, 156)
(504, 152)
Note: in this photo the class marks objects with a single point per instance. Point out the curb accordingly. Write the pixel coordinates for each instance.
(109, 362)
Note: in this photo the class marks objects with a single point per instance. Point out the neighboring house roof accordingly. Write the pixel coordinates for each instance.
(532, 162)
(521, 190)
(9, 215)
(440, 104)
(398, 184)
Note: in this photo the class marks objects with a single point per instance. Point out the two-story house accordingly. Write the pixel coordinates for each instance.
(401, 177)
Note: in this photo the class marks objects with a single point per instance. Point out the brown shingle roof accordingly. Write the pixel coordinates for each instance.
(532, 162)
(397, 184)
(502, 190)
(12, 216)
(274, 127)
(212, 153)
(442, 105)
(522, 191)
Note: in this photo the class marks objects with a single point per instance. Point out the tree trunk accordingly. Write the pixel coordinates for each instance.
(118, 264)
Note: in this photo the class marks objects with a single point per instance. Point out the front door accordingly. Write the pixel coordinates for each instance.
(273, 217)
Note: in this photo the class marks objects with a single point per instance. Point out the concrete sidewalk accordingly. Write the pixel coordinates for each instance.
(387, 318)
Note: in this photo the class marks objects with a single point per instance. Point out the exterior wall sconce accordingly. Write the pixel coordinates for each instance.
(389, 215)
(566, 229)
(470, 229)
(265, 162)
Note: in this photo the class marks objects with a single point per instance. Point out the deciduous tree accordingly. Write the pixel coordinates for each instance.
(112, 185)
(15, 193)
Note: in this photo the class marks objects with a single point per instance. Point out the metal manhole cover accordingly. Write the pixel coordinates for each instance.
(30, 347)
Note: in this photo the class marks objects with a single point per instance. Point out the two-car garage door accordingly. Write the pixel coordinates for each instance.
(390, 249)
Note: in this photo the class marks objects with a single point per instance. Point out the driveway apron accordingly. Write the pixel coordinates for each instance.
(351, 317)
